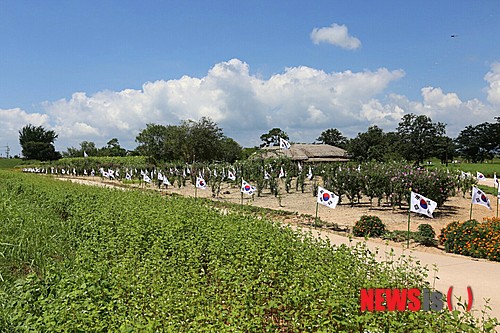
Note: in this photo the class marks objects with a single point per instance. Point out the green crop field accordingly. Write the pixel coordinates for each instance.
(488, 169)
(7, 163)
(84, 259)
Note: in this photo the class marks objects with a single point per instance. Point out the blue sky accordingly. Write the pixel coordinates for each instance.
(94, 70)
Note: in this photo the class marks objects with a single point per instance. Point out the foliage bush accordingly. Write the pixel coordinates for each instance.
(426, 235)
(369, 225)
(471, 238)
(398, 236)
(86, 259)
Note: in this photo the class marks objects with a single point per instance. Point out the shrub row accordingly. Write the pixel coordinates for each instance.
(372, 226)
(472, 238)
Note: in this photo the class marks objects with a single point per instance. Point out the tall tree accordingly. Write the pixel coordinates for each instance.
(88, 147)
(152, 141)
(419, 136)
(368, 146)
(272, 138)
(477, 143)
(201, 140)
(334, 137)
(176, 145)
(231, 150)
(445, 149)
(204, 139)
(85, 146)
(112, 148)
(38, 143)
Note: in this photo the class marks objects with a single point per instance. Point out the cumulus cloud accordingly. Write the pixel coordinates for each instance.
(12, 120)
(493, 79)
(244, 105)
(337, 35)
(301, 100)
(446, 108)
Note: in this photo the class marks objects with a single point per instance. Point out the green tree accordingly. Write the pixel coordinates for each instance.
(368, 146)
(231, 150)
(152, 141)
(334, 137)
(176, 145)
(38, 143)
(112, 148)
(418, 137)
(201, 140)
(477, 143)
(88, 147)
(272, 138)
(445, 149)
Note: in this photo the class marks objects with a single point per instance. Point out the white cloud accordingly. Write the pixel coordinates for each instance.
(493, 79)
(301, 100)
(383, 115)
(244, 105)
(11, 121)
(447, 108)
(337, 35)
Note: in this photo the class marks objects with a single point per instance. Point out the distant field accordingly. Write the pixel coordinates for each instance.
(9, 163)
(16, 162)
(487, 168)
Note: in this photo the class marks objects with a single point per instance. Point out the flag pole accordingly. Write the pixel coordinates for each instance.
(409, 209)
(470, 216)
(241, 197)
(316, 217)
(195, 191)
(497, 185)
(498, 199)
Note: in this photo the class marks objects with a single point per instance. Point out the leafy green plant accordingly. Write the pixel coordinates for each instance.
(398, 235)
(471, 238)
(369, 225)
(426, 235)
(90, 259)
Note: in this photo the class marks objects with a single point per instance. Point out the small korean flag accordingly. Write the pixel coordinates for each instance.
(200, 183)
(327, 198)
(422, 205)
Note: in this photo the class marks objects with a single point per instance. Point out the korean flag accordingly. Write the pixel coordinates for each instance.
(422, 205)
(327, 198)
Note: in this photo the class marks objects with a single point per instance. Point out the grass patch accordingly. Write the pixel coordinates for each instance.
(9, 163)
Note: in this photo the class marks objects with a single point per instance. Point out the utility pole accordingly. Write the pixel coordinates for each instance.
(7, 150)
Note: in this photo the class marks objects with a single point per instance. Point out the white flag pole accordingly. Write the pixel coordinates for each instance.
(409, 214)
(471, 203)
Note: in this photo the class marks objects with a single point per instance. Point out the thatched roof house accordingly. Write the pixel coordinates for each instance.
(307, 153)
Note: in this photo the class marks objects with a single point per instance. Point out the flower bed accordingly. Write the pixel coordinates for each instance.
(472, 238)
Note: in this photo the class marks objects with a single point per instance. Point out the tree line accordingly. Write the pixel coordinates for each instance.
(417, 138)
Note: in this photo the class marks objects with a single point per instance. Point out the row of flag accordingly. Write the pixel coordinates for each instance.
(422, 205)
(481, 177)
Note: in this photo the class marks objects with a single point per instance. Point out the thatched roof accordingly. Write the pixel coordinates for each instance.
(308, 153)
